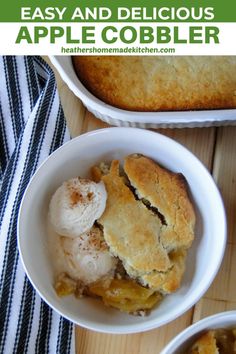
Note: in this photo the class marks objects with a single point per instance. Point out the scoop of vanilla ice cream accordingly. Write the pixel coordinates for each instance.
(75, 206)
(87, 257)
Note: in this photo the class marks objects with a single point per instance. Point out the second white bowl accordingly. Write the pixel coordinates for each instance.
(186, 338)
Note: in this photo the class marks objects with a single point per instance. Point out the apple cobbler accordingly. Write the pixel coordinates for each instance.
(147, 226)
(217, 341)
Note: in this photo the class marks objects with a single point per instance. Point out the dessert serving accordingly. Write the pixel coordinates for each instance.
(52, 260)
(217, 341)
(160, 83)
(122, 236)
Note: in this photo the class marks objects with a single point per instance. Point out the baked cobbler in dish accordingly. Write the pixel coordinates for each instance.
(160, 83)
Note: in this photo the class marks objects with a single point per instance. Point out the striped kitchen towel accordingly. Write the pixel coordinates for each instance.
(32, 126)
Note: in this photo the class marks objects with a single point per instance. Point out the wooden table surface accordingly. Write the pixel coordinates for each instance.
(216, 148)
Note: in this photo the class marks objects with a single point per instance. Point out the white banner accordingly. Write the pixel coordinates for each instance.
(118, 38)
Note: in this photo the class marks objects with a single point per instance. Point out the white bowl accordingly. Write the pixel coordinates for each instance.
(186, 338)
(123, 118)
(75, 158)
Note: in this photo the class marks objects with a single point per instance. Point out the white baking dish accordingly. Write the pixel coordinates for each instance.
(119, 117)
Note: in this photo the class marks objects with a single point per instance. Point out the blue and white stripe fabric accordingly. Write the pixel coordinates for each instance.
(32, 126)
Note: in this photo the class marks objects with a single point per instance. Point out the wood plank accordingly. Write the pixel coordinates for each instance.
(219, 289)
(74, 111)
(88, 342)
(224, 172)
(91, 123)
(207, 307)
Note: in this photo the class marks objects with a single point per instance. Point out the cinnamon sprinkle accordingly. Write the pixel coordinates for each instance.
(76, 197)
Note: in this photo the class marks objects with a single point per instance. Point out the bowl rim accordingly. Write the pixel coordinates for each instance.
(141, 327)
(113, 114)
(195, 328)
